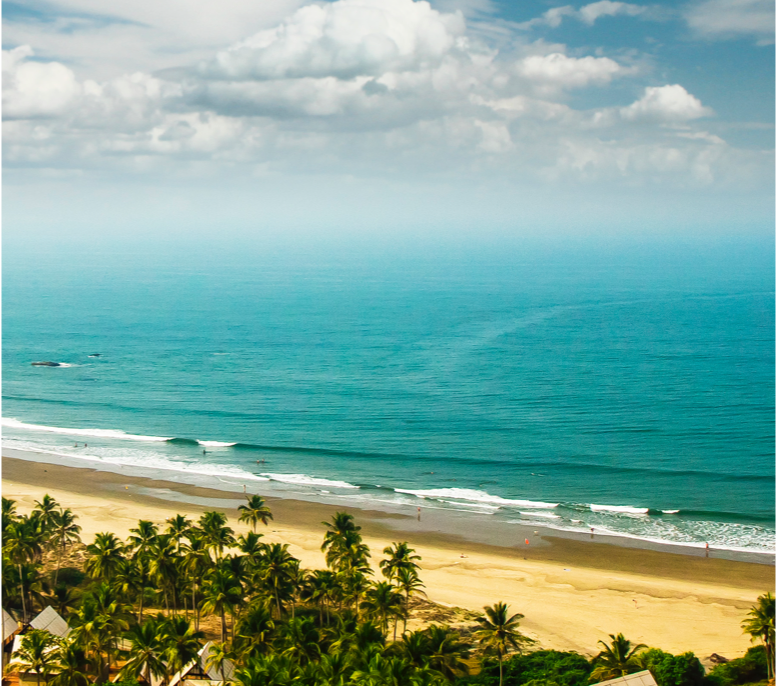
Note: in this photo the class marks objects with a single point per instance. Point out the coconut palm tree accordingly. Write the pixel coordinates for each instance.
(178, 528)
(63, 599)
(218, 656)
(759, 625)
(64, 532)
(105, 554)
(196, 565)
(617, 659)
(299, 640)
(340, 523)
(9, 512)
(383, 601)
(400, 556)
(71, 666)
(45, 510)
(498, 634)
(35, 655)
(215, 533)
(143, 537)
(164, 569)
(276, 570)
(254, 631)
(181, 643)
(409, 582)
(145, 652)
(22, 543)
(446, 652)
(221, 593)
(255, 511)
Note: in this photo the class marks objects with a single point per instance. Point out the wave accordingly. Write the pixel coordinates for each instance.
(216, 444)
(619, 508)
(670, 511)
(140, 459)
(304, 480)
(543, 515)
(96, 433)
(472, 495)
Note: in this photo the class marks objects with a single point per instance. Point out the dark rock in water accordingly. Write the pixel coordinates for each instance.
(96, 355)
(46, 364)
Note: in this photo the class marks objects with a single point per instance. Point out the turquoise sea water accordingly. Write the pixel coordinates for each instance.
(628, 388)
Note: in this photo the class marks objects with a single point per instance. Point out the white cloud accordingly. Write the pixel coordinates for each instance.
(36, 89)
(356, 87)
(588, 14)
(557, 69)
(665, 104)
(344, 39)
(733, 18)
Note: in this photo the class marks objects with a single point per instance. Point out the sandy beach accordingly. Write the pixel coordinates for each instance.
(572, 593)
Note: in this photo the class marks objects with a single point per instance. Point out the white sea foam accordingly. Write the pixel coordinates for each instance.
(138, 459)
(620, 508)
(304, 480)
(96, 433)
(472, 495)
(670, 511)
(543, 515)
(216, 444)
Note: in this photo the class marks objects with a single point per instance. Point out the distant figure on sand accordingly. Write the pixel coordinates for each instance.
(707, 548)
(418, 514)
(592, 530)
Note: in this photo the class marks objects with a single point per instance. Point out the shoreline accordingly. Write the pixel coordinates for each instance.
(572, 592)
(471, 526)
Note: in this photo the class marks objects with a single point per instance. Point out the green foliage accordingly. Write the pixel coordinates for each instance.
(540, 668)
(70, 576)
(673, 670)
(745, 670)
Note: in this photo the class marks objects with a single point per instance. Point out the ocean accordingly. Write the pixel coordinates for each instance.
(624, 386)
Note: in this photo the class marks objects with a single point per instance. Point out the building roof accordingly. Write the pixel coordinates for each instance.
(10, 627)
(644, 678)
(49, 620)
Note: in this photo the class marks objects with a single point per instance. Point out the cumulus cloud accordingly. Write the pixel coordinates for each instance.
(356, 87)
(733, 19)
(557, 69)
(588, 14)
(343, 39)
(36, 89)
(666, 104)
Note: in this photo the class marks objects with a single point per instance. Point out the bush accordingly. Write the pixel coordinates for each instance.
(673, 670)
(70, 576)
(541, 668)
(748, 669)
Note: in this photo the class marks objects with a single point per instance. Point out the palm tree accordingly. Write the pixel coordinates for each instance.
(22, 542)
(254, 631)
(63, 599)
(177, 528)
(145, 653)
(221, 593)
(71, 666)
(255, 511)
(617, 659)
(215, 534)
(164, 569)
(340, 523)
(400, 556)
(143, 537)
(45, 510)
(300, 640)
(9, 512)
(759, 625)
(217, 657)
(409, 582)
(196, 564)
(446, 652)
(105, 554)
(383, 602)
(276, 569)
(64, 532)
(35, 654)
(499, 633)
(181, 643)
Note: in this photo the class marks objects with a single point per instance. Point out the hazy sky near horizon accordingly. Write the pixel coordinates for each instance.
(389, 115)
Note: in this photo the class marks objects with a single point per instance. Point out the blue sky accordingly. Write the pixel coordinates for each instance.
(387, 115)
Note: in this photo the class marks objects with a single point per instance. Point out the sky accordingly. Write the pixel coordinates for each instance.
(386, 117)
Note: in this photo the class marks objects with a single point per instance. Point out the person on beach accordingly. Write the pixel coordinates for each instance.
(418, 514)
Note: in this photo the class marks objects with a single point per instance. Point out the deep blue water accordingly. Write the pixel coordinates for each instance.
(635, 375)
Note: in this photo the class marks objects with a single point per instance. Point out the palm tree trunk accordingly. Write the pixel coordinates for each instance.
(21, 593)
(223, 626)
(59, 563)
(500, 670)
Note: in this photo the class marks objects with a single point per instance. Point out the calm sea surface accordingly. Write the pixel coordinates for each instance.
(629, 388)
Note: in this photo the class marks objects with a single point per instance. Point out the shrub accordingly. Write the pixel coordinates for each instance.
(540, 668)
(673, 670)
(748, 669)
